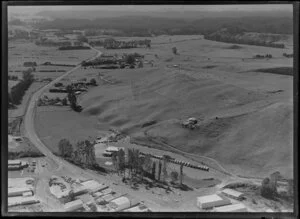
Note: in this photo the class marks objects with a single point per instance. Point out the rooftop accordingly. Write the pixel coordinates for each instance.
(14, 162)
(209, 198)
(232, 192)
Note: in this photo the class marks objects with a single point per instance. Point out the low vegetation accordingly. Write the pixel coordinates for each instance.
(279, 70)
(17, 92)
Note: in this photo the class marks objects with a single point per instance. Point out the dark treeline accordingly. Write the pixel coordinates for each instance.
(111, 43)
(44, 42)
(147, 26)
(17, 92)
(73, 47)
(235, 39)
(13, 77)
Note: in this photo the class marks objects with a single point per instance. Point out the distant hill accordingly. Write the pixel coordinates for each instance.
(182, 14)
(173, 26)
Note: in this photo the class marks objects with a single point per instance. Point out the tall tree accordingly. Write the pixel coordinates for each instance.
(181, 174)
(159, 170)
(65, 148)
(165, 160)
(153, 170)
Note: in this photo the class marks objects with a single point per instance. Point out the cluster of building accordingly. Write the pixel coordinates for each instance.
(93, 196)
(21, 193)
(222, 203)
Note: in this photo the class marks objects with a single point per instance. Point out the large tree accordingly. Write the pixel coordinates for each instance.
(65, 148)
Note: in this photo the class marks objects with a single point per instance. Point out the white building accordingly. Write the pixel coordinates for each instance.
(119, 204)
(15, 191)
(233, 194)
(232, 208)
(211, 201)
(74, 205)
(14, 162)
(13, 201)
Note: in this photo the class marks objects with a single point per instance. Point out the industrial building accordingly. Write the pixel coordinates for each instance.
(18, 191)
(13, 201)
(119, 204)
(232, 208)
(211, 201)
(233, 194)
(73, 205)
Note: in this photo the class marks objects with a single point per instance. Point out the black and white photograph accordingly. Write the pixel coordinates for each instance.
(150, 108)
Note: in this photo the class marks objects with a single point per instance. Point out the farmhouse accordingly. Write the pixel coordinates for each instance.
(110, 150)
(233, 194)
(211, 201)
(232, 208)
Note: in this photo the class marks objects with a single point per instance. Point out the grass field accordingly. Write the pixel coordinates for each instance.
(254, 122)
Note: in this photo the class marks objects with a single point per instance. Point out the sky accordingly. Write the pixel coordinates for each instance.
(267, 7)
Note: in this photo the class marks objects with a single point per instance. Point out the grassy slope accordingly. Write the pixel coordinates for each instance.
(254, 132)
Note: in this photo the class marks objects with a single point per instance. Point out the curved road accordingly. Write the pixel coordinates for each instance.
(30, 112)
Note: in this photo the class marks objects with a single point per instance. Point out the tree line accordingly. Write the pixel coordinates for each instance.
(82, 153)
(111, 43)
(17, 92)
(140, 166)
(241, 40)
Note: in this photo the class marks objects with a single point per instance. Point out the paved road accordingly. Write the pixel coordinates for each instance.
(31, 109)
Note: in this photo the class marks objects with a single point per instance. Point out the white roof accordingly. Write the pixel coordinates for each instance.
(14, 162)
(18, 189)
(20, 200)
(209, 198)
(91, 184)
(231, 208)
(112, 148)
(120, 201)
(232, 192)
(75, 203)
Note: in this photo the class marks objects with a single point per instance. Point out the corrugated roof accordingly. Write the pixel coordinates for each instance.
(18, 189)
(14, 162)
(71, 204)
(120, 201)
(209, 198)
(232, 192)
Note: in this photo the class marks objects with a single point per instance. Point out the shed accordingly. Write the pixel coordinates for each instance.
(14, 162)
(211, 201)
(107, 191)
(233, 194)
(93, 185)
(120, 203)
(13, 201)
(232, 208)
(73, 205)
(27, 194)
(15, 191)
(113, 149)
